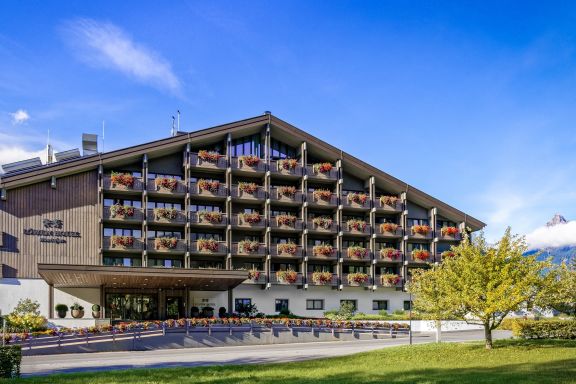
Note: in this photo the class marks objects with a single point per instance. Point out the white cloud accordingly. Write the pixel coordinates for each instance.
(20, 116)
(556, 236)
(106, 45)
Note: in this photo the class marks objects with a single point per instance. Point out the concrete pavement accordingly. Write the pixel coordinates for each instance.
(193, 357)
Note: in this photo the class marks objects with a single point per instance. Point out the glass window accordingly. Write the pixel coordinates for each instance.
(155, 234)
(379, 305)
(161, 204)
(315, 304)
(407, 305)
(413, 246)
(122, 232)
(203, 235)
(353, 302)
(281, 305)
(284, 266)
(351, 243)
(319, 268)
(210, 208)
(240, 304)
(412, 222)
(355, 269)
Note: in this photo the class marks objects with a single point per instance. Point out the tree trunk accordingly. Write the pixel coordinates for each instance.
(438, 331)
(488, 336)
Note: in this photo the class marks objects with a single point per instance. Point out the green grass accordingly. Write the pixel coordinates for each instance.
(511, 361)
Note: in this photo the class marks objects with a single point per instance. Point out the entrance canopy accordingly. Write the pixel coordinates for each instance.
(75, 276)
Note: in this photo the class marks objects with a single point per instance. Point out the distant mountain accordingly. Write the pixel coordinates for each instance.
(558, 254)
(556, 220)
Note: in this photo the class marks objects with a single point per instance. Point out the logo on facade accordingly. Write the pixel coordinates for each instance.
(52, 232)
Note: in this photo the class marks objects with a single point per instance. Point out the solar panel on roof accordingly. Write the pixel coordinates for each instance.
(22, 165)
(67, 155)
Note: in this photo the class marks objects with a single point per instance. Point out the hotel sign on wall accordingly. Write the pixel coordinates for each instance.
(52, 232)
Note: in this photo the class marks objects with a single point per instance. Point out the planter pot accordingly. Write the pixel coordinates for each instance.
(62, 314)
(77, 314)
(96, 315)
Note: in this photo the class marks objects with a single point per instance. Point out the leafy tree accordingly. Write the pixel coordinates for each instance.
(26, 316)
(561, 292)
(482, 283)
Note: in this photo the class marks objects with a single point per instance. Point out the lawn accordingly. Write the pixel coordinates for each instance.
(511, 361)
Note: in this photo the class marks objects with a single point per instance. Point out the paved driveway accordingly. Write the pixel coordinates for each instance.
(192, 357)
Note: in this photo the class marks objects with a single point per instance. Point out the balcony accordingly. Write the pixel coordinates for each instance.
(165, 263)
(389, 255)
(286, 167)
(356, 201)
(249, 248)
(356, 227)
(208, 160)
(209, 247)
(123, 213)
(441, 256)
(322, 224)
(249, 163)
(356, 280)
(166, 186)
(448, 234)
(321, 252)
(287, 195)
(208, 219)
(389, 281)
(166, 245)
(322, 279)
(388, 204)
(249, 221)
(255, 277)
(322, 171)
(122, 244)
(322, 199)
(420, 232)
(248, 191)
(389, 230)
(356, 253)
(286, 278)
(286, 250)
(167, 216)
(420, 256)
(123, 183)
(208, 189)
(286, 223)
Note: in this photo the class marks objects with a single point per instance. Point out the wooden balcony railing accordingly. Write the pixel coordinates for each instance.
(136, 216)
(348, 203)
(259, 194)
(197, 162)
(412, 233)
(278, 251)
(221, 249)
(136, 187)
(276, 168)
(237, 163)
(412, 257)
(136, 246)
(330, 175)
(275, 195)
(383, 230)
(275, 280)
(333, 281)
(447, 236)
(153, 186)
(383, 281)
(238, 250)
(350, 230)
(153, 246)
(310, 253)
(238, 221)
(197, 220)
(297, 226)
(351, 283)
(350, 253)
(332, 201)
(393, 207)
(221, 192)
(383, 255)
(313, 227)
(158, 216)
(260, 280)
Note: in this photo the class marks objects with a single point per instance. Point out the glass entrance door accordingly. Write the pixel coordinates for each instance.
(174, 307)
(131, 306)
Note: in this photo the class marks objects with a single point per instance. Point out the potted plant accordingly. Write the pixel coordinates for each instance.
(357, 278)
(77, 311)
(166, 183)
(210, 156)
(390, 279)
(207, 245)
(356, 225)
(254, 274)
(358, 198)
(288, 191)
(390, 253)
(208, 185)
(388, 200)
(357, 252)
(322, 278)
(420, 229)
(165, 213)
(323, 250)
(248, 246)
(96, 311)
(447, 253)
(122, 241)
(165, 243)
(322, 167)
(124, 179)
(322, 194)
(61, 310)
(449, 231)
(289, 276)
(388, 228)
(287, 248)
(286, 220)
(210, 217)
(247, 187)
(323, 222)
(121, 211)
(249, 160)
(420, 254)
(287, 164)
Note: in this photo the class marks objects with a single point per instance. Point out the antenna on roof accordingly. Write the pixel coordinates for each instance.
(49, 151)
(103, 123)
(178, 130)
(173, 133)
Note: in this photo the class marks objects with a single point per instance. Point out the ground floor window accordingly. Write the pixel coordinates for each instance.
(379, 305)
(314, 304)
(241, 304)
(128, 306)
(407, 305)
(348, 301)
(281, 305)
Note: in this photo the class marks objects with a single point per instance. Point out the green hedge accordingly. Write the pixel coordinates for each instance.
(10, 358)
(545, 329)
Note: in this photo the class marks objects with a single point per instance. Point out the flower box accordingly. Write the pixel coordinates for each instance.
(420, 254)
(165, 213)
(358, 198)
(356, 225)
(248, 160)
(323, 250)
(166, 183)
(287, 249)
(207, 245)
(249, 188)
(121, 211)
(165, 243)
(447, 254)
(288, 276)
(286, 220)
(421, 230)
(248, 246)
(249, 218)
(287, 191)
(124, 179)
(322, 167)
(390, 279)
(357, 252)
(322, 278)
(390, 253)
(122, 241)
(323, 222)
(210, 217)
(357, 278)
(322, 194)
(389, 201)
(210, 156)
(287, 164)
(388, 228)
(208, 185)
(449, 231)
(254, 274)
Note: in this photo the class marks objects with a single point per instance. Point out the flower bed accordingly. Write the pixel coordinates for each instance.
(122, 241)
(249, 188)
(165, 243)
(322, 167)
(288, 276)
(286, 220)
(449, 231)
(356, 225)
(446, 254)
(166, 183)
(210, 156)
(357, 252)
(248, 246)
(122, 211)
(390, 253)
(420, 254)
(124, 179)
(287, 164)
(388, 200)
(249, 160)
(207, 245)
(165, 213)
(322, 194)
(358, 198)
(287, 248)
(249, 218)
(288, 191)
(211, 217)
(208, 185)
(323, 250)
(322, 278)
(358, 278)
(421, 229)
(390, 279)
(388, 228)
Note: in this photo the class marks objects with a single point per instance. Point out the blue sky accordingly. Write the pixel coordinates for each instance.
(472, 102)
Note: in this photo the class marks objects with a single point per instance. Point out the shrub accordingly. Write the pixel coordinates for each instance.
(61, 308)
(545, 329)
(96, 308)
(26, 316)
(10, 359)
(345, 312)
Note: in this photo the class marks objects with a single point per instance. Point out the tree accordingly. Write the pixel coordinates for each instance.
(561, 292)
(482, 283)
(26, 316)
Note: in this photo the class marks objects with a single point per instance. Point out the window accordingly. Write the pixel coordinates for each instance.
(385, 219)
(160, 204)
(446, 223)
(355, 269)
(284, 267)
(241, 304)
(407, 305)
(201, 235)
(352, 243)
(379, 305)
(348, 301)
(284, 240)
(313, 242)
(277, 212)
(123, 261)
(122, 232)
(209, 208)
(412, 222)
(248, 145)
(130, 203)
(155, 234)
(345, 218)
(248, 266)
(206, 265)
(167, 263)
(279, 150)
(413, 246)
(319, 268)
(315, 304)
(385, 270)
(155, 175)
(281, 305)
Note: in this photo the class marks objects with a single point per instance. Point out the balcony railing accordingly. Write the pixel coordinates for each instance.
(316, 228)
(153, 245)
(318, 255)
(275, 250)
(447, 235)
(136, 216)
(331, 201)
(350, 253)
(333, 281)
(259, 194)
(275, 195)
(136, 187)
(413, 258)
(384, 281)
(197, 162)
(238, 250)
(276, 168)
(275, 280)
(388, 255)
(238, 221)
(352, 283)
(260, 280)
(297, 226)
(441, 256)
(237, 163)
(197, 220)
(415, 234)
(221, 248)
(221, 192)
(156, 187)
(166, 216)
(330, 175)
(136, 245)
(347, 202)
(351, 230)
(395, 206)
(387, 230)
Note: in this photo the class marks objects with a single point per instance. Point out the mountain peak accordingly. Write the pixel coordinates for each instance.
(557, 219)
